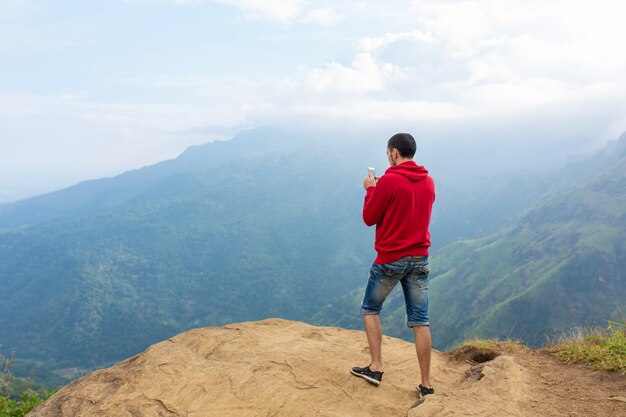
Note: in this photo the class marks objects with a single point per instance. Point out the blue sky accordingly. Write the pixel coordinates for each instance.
(94, 88)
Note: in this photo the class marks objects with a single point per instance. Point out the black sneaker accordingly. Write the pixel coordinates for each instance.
(372, 376)
(425, 391)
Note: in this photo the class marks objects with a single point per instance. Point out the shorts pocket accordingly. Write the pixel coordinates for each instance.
(394, 268)
(425, 269)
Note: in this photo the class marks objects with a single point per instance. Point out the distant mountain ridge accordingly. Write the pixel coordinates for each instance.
(94, 196)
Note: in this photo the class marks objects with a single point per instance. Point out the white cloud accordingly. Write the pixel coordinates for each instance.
(480, 59)
(280, 10)
(364, 75)
(371, 44)
(188, 2)
(323, 16)
(283, 11)
(555, 37)
(493, 56)
(464, 59)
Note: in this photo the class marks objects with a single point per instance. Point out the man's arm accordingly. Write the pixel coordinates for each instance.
(375, 200)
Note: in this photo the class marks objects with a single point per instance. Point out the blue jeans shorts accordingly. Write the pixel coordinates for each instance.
(412, 272)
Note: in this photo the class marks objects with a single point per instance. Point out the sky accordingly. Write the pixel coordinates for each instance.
(90, 89)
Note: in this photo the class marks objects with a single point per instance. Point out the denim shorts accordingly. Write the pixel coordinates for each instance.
(412, 272)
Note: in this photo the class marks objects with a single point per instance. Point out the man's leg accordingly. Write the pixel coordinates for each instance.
(374, 332)
(423, 348)
(415, 287)
(381, 281)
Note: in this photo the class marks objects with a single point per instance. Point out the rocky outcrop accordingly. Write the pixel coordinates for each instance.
(268, 368)
(283, 368)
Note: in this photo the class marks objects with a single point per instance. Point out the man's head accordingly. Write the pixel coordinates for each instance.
(400, 148)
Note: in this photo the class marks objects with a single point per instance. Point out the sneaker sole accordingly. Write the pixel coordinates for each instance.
(420, 392)
(369, 379)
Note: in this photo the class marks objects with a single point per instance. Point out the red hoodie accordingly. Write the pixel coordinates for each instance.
(400, 206)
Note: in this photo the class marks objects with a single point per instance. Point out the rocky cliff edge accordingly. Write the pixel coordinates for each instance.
(277, 367)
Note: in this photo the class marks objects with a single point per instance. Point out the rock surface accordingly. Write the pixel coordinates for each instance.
(277, 367)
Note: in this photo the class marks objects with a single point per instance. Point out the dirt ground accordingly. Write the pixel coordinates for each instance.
(531, 383)
(572, 390)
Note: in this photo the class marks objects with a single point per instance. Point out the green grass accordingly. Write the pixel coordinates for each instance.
(599, 348)
(502, 346)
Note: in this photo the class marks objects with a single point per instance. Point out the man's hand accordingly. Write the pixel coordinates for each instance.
(369, 181)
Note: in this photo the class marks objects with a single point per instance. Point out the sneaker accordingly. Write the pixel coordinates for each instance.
(425, 391)
(372, 376)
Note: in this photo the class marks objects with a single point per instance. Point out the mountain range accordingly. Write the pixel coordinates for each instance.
(268, 224)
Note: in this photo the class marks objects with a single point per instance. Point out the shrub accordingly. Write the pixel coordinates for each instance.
(599, 348)
(29, 399)
(18, 408)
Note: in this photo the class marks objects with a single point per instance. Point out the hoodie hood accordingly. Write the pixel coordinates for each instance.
(410, 170)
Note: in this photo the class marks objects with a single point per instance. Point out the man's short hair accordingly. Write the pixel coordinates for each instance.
(404, 143)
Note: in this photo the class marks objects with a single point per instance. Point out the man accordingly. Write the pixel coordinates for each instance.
(399, 203)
